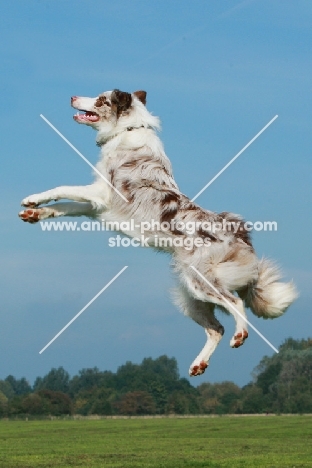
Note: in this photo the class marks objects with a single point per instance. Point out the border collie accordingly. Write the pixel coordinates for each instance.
(134, 181)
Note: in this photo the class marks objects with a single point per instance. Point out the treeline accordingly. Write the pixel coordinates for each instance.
(281, 384)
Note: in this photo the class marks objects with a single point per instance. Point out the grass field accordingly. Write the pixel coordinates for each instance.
(270, 441)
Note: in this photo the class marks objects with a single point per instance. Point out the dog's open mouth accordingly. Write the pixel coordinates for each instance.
(88, 116)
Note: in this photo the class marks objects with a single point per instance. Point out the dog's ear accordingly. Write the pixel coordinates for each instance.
(141, 95)
(121, 100)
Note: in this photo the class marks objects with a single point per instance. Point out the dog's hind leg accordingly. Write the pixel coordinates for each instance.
(237, 309)
(212, 291)
(214, 331)
(203, 314)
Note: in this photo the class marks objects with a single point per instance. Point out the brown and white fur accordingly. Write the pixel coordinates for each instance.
(133, 160)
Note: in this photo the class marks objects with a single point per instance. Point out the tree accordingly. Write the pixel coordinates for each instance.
(95, 401)
(56, 380)
(56, 403)
(6, 389)
(45, 402)
(252, 400)
(288, 374)
(285, 379)
(296, 345)
(3, 404)
(158, 377)
(31, 404)
(180, 402)
(282, 383)
(136, 403)
(19, 386)
(220, 398)
(90, 378)
(269, 376)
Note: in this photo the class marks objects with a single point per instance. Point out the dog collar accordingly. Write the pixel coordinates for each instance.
(128, 129)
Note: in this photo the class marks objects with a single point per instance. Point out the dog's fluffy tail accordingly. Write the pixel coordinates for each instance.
(268, 297)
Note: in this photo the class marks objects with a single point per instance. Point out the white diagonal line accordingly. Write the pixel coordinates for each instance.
(84, 308)
(234, 308)
(83, 157)
(235, 157)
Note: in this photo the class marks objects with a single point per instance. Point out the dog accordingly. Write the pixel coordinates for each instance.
(216, 268)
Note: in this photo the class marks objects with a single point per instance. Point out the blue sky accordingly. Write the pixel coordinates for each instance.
(215, 73)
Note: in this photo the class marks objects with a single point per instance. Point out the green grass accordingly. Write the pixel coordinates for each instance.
(244, 442)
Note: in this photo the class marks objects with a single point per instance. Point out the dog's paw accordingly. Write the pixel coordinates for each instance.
(33, 201)
(239, 339)
(198, 369)
(34, 215)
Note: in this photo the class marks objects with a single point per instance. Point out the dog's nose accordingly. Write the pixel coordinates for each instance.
(73, 98)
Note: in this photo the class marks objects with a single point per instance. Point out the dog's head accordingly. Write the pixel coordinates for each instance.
(107, 108)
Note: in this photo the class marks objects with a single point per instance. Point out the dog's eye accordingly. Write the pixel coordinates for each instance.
(101, 100)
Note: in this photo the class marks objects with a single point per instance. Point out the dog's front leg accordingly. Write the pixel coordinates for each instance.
(97, 196)
(33, 215)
